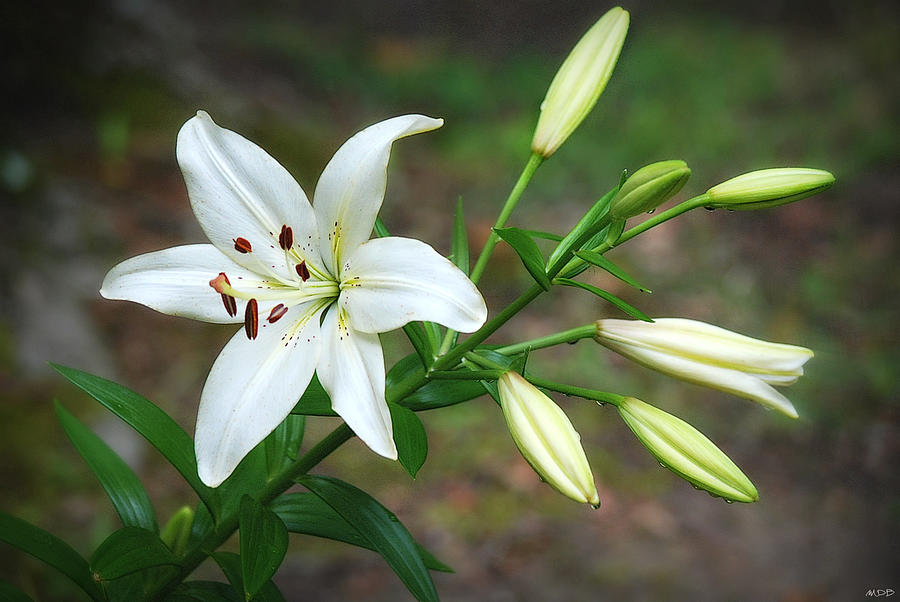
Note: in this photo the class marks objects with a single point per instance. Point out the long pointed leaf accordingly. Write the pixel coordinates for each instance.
(151, 422)
(204, 591)
(379, 525)
(283, 444)
(592, 222)
(314, 401)
(602, 262)
(230, 564)
(50, 549)
(528, 252)
(410, 437)
(628, 309)
(128, 551)
(264, 542)
(434, 394)
(124, 489)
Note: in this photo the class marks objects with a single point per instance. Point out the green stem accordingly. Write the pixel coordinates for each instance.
(466, 375)
(566, 336)
(602, 396)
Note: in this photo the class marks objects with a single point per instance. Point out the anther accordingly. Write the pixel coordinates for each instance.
(302, 270)
(286, 238)
(277, 312)
(242, 245)
(251, 319)
(230, 304)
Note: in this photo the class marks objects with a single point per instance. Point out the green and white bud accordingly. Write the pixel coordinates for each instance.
(580, 81)
(547, 439)
(686, 451)
(710, 356)
(769, 188)
(648, 188)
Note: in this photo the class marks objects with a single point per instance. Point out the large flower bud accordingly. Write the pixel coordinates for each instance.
(580, 81)
(547, 439)
(686, 451)
(769, 188)
(648, 188)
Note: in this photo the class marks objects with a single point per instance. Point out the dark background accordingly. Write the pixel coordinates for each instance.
(94, 94)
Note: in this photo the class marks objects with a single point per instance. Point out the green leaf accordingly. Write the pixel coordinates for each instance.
(379, 525)
(122, 486)
(11, 593)
(307, 514)
(264, 542)
(410, 437)
(433, 394)
(543, 235)
(602, 262)
(202, 525)
(528, 252)
(230, 564)
(589, 225)
(628, 309)
(459, 242)
(283, 444)
(127, 551)
(49, 549)
(147, 419)
(204, 591)
(314, 401)
(250, 475)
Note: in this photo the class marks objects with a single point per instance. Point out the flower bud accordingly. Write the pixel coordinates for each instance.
(648, 188)
(686, 451)
(178, 530)
(710, 356)
(769, 188)
(580, 81)
(546, 438)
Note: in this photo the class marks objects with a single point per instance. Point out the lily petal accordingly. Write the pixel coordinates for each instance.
(238, 190)
(176, 282)
(351, 370)
(351, 188)
(251, 387)
(388, 282)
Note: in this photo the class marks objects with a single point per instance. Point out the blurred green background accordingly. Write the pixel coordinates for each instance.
(95, 95)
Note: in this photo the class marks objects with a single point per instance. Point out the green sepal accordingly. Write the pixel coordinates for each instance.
(627, 308)
(380, 527)
(410, 438)
(528, 252)
(125, 491)
(264, 542)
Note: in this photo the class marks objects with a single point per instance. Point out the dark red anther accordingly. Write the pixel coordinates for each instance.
(302, 271)
(251, 319)
(242, 245)
(277, 312)
(230, 304)
(286, 238)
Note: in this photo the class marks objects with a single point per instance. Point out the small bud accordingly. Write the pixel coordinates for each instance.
(547, 439)
(769, 188)
(686, 451)
(580, 81)
(178, 530)
(710, 356)
(648, 188)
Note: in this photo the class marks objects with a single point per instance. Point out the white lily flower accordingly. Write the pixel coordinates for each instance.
(707, 355)
(310, 288)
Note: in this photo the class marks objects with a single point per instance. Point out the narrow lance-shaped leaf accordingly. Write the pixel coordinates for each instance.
(591, 222)
(601, 261)
(204, 591)
(410, 438)
(151, 422)
(249, 475)
(375, 522)
(49, 549)
(128, 551)
(628, 309)
(314, 401)
(122, 486)
(543, 235)
(264, 542)
(307, 514)
(283, 444)
(433, 394)
(230, 564)
(528, 252)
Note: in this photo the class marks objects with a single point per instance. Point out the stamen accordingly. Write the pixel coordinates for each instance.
(277, 312)
(286, 238)
(242, 245)
(251, 319)
(302, 270)
(230, 304)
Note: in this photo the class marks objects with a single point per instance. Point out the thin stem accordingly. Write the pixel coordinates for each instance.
(466, 375)
(602, 396)
(534, 162)
(566, 336)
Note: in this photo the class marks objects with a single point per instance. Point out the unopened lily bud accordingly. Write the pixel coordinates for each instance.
(648, 188)
(769, 188)
(707, 355)
(686, 451)
(580, 81)
(178, 530)
(547, 439)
